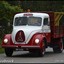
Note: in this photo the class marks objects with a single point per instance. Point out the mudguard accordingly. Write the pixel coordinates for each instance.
(39, 36)
(7, 36)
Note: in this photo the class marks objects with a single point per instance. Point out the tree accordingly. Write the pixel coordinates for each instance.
(6, 15)
(43, 5)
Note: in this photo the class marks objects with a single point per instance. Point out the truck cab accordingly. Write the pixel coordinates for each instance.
(26, 25)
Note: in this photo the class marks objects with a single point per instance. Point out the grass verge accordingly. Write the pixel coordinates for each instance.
(1, 49)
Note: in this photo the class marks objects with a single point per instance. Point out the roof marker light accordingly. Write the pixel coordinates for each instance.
(28, 14)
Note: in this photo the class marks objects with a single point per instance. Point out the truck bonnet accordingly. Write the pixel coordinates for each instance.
(29, 31)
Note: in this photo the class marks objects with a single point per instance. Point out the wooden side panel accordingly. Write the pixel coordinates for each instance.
(58, 24)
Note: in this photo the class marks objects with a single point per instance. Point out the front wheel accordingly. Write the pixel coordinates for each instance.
(8, 52)
(39, 53)
(57, 50)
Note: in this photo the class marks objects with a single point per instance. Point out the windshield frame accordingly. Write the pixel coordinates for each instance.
(27, 17)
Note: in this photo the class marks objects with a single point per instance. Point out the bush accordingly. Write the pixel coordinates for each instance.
(6, 16)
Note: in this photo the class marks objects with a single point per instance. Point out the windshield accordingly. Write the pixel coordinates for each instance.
(31, 21)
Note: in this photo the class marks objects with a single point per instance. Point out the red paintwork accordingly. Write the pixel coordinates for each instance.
(8, 36)
(30, 43)
(48, 37)
(56, 31)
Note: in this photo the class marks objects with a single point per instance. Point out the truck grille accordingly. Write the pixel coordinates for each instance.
(20, 37)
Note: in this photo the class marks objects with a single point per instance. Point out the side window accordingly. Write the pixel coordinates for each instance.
(45, 21)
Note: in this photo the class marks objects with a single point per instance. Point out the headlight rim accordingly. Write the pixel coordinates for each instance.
(5, 40)
(37, 40)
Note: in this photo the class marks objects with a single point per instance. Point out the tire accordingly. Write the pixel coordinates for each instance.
(41, 52)
(31, 51)
(63, 42)
(58, 48)
(38, 53)
(8, 52)
(45, 43)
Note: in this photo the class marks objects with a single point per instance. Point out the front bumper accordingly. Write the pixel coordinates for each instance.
(23, 46)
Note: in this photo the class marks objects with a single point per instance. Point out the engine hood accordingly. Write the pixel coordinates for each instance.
(29, 31)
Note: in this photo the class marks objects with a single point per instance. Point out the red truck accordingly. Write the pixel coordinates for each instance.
(35, 32)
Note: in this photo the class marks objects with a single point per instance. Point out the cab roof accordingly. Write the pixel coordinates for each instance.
(33, 14)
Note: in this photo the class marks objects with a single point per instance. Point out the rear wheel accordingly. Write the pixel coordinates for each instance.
(8, 52)
(63, 42)
(58, 48)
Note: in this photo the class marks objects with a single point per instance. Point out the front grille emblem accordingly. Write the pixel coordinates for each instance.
(20, 37)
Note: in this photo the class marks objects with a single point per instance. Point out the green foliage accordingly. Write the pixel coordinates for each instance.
(7, 11)
(43, 5)
(6, 16)
(1, 49)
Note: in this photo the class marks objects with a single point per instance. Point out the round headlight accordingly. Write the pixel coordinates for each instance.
(5, 40)
(36, 41)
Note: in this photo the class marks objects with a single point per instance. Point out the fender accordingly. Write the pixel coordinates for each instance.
(39, 36)
(47, 36)
(7, 36)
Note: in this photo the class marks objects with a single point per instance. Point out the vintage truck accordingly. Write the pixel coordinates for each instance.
(34, 32)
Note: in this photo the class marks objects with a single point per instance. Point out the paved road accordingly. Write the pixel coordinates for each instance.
(26, 57)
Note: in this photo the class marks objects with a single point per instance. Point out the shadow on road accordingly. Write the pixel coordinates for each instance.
(26, 55)
(51, 54)
(32, 55)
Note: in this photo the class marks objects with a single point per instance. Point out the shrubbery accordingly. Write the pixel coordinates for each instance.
(7, 12)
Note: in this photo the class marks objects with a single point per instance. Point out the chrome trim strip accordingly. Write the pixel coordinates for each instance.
(31, 46)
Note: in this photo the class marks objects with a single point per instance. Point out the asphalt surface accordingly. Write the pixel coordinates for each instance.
(26, 57)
